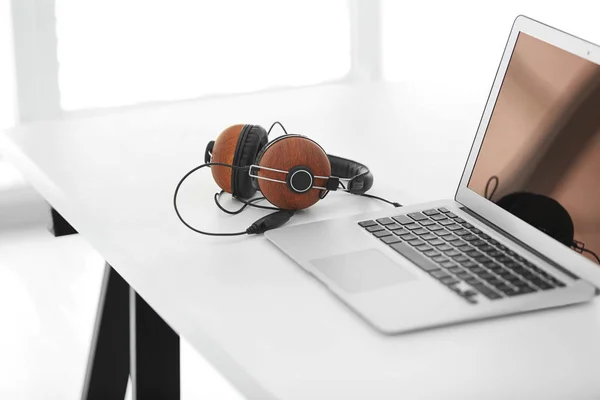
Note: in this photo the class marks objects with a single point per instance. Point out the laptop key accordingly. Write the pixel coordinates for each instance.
(442, 232)
(487, 248)
(469, 238)
(393, 227)
(481, 258)
(429, 236)
(438, 217)
(445, 222)
(385, 221)
(382, 233)
(416, 242)
(473, 281)
(463, 275)
(426, 222)
(485, 275)
(408, 236)
(431, 212)
(460, 258)
(439, 274)
(413, 226)
(518, 282)
(434, 228)
(451, 238)
(523, 290)
(462, 232)
(436, 242)
(364, 224)
(421, 231)
(460, 220)
(375, 228)
(439, 258)
(430, 253)
(444, 247)
(417, 216)
(452, 252)
(423, 247)
(443, 210)
(487, 292)
(414, 256)
(390, 239)
(458, 243)
(403, 220)
(451, 215)
(544, 285)
(453, 227)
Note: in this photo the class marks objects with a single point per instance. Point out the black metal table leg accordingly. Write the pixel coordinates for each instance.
(130, 339)
(58, 225)
(155, 367)
(108, 362)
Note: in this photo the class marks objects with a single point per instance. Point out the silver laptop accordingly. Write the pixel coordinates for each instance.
(525, 215)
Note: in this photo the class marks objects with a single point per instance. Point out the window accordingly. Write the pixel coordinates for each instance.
(7, 100)
(117, 52)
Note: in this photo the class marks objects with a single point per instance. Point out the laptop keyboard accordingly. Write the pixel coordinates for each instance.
(460, 256)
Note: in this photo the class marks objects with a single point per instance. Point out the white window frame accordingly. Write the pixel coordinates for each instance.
(36, 63)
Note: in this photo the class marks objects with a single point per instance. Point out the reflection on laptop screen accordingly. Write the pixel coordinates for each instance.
(541, 153)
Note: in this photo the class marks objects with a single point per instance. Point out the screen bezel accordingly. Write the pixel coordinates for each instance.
(521, 230)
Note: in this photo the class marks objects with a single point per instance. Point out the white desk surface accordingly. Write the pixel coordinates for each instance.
(270, 328)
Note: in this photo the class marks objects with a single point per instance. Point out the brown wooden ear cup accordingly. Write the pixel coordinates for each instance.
(285, 153)
(237, 145)
(223, 152)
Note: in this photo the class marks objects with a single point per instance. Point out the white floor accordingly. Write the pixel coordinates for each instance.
(49, 290)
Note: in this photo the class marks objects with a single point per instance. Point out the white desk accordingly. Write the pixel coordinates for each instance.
(271, 329)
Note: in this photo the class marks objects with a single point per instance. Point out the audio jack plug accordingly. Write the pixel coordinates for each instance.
(268, 222)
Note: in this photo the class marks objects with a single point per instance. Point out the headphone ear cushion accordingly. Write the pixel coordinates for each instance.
(252, 139)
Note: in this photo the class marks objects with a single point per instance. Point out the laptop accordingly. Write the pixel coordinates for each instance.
(511, 239)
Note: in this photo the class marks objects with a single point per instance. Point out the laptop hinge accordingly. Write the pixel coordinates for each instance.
(519, 242)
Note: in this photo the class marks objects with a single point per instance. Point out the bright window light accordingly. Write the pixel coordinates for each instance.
(7, 76)
(120, 52)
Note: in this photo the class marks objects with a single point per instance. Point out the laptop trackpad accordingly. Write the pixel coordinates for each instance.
(363, 270)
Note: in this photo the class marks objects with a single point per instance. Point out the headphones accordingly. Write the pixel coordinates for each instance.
(292, 172)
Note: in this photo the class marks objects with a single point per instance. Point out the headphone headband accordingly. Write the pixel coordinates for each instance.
(359, 177)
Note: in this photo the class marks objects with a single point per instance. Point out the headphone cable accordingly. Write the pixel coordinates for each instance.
(592, 253)
(276, 123)
(244, 202)
(177, 192)
(371, 196)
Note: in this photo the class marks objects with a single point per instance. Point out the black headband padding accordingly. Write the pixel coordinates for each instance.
(252, 139)
(361, 179)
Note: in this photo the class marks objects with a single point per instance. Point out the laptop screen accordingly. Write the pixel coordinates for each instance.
(540, 156)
